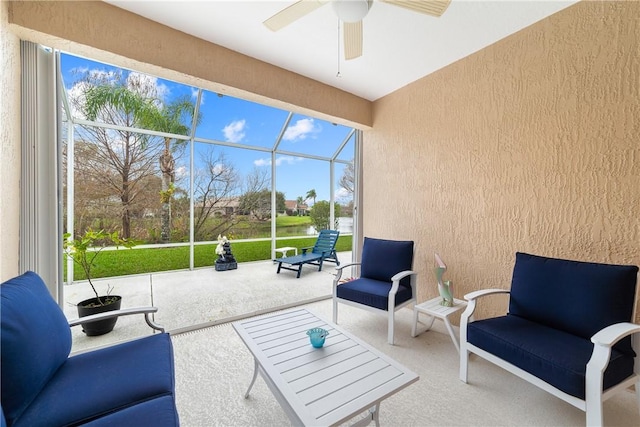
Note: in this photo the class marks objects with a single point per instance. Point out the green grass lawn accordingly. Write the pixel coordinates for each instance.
(134, 261)
(288, 221)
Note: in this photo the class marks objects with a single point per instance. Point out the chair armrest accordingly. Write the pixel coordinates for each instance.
(610, 335)
(603, 341)
(117, 313)
(351, 264)
(399, 276)
(484, 292)
(472, 298)
(338, 275)
(304, 250)
(395, 282)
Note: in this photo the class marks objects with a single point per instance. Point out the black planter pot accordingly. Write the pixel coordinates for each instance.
(92, 306)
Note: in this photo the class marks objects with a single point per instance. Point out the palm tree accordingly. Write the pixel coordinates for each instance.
(299, 202)
(169, 119)
(311, 194)
(146, 113)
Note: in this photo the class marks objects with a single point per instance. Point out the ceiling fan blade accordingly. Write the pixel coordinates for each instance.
(428, 7)
(291, 13)
(352, 39)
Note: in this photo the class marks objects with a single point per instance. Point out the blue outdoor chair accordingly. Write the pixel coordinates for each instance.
(386, 281)
(129, 384)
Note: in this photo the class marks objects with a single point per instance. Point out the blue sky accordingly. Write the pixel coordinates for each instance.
(237, 121)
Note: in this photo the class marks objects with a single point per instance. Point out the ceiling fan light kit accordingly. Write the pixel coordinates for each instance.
(351, 10)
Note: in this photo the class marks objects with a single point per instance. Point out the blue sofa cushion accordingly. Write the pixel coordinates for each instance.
(103, 382)
(580, 298)
(382, 259)
(35, 341)
(159, 412)
(372, 293)
(556, 357)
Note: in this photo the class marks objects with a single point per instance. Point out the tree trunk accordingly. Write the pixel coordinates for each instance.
(165, 230)
(167, 167)
(124, 197)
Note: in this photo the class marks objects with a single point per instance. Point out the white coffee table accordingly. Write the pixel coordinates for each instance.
(434, 310)
(320, 386)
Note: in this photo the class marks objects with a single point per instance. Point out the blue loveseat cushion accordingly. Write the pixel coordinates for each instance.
(35, 341)
(556, 357)
(372, 293)
(157, 412)
(382, 259)
(103, 382)
(577, 297)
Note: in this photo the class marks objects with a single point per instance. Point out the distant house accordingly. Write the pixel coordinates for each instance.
(225, 206)
(293, 208)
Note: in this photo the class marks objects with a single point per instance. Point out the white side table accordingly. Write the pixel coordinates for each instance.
(286, 249)
(433, 309)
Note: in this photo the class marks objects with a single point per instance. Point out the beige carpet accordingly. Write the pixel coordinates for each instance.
(213, 371)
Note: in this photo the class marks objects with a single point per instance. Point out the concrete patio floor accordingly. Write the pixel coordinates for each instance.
(193, 299)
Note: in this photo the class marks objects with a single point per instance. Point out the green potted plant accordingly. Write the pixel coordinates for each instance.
(84, 251)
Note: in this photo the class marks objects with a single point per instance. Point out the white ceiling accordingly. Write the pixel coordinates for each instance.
(400, 46)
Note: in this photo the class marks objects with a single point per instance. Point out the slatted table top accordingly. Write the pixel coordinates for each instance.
(320, 386)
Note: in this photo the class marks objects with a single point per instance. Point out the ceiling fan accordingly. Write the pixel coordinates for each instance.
(351, 13)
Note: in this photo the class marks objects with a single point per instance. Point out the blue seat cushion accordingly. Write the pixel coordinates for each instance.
(372, 293)
(103, 382)
(158, 412)
(554, 356)
(382, 259)
(35, 341)
(577, 297)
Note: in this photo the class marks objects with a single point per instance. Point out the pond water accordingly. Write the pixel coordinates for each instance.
(345, 226)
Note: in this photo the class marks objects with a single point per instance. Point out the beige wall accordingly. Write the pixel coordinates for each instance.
(9, 147)
(532, 144)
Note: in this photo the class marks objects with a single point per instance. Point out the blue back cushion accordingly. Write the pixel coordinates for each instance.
(577, 297)
(35, 341)
(382, 259)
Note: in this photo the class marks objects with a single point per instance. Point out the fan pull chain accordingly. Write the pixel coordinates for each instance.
(338, 73)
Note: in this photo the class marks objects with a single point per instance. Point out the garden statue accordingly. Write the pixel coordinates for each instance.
(226, 260)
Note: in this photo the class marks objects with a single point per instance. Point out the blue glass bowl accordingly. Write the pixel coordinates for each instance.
(317, 336)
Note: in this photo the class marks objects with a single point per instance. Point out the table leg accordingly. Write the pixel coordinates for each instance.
(253, 380)
(452, 334)
(416, 320)
(415, 323)
(375, 415)
(372, 416)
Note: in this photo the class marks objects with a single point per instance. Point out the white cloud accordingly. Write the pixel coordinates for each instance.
(342, 193)
(234, 131)
(301, 129)
(181, 172)
(147, 85)
(219, 168)
(279, 161)
(140, 83)
(194, 95)
(288, 160)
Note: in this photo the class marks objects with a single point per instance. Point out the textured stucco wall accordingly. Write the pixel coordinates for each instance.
(9, 147)
(532, 144)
